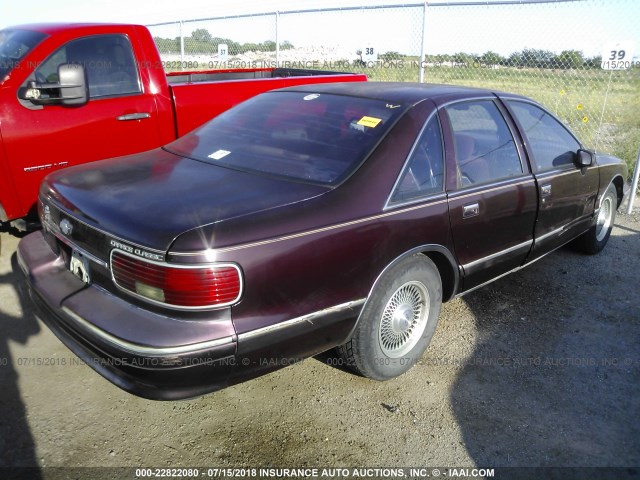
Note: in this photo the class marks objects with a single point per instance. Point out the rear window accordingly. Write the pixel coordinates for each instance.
(14, 46)
(315, 138)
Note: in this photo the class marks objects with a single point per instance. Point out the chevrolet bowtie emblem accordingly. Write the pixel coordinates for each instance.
(66, 227)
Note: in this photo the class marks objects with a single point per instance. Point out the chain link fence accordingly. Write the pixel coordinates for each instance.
(573, 56)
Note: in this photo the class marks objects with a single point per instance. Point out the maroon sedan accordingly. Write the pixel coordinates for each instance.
(305, 219)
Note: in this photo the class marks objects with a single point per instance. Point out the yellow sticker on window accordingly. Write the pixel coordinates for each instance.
(370, 122)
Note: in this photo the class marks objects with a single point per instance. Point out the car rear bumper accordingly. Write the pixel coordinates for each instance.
(179, 359)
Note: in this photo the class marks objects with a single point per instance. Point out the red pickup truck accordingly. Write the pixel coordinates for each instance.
(75, 93)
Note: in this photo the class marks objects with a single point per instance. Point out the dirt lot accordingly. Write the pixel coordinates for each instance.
(541, 368)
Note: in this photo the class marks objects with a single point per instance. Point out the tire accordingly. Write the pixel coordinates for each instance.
(594, 239)
(398, 320)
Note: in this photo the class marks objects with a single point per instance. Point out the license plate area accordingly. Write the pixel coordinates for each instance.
(79, 266)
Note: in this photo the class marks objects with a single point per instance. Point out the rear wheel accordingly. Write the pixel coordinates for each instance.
(594, 239)
(398, 320)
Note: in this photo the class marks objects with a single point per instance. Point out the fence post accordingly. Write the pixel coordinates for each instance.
(634, 184)
(423, 43)
(277, 39)
(181, 47)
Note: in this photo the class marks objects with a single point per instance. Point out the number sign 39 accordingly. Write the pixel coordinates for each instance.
(617, 56)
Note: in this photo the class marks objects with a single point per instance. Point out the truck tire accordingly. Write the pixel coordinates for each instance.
(398, 320)
(594, 239)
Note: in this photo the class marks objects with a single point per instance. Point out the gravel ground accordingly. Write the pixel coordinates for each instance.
(541, 368)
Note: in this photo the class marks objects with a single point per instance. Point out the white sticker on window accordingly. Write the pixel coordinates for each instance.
(218, 154)
(311, 96)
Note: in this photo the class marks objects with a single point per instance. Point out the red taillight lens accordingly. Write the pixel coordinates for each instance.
(186, 287)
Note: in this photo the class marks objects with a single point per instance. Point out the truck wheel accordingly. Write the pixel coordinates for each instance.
(594, 239)
(398, 320)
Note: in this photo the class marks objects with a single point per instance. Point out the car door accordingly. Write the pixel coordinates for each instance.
(567, 193)
(120, 117)
(491, 193)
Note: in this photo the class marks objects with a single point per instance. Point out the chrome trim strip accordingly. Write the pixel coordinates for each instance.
(107, 234)
(563, 229)
(428, 202)
(491, 281)
(492, 187)
(305, 318)
(543, 176)
(528, 243)
(80, 250)
(427, 198)
(557, 231)
(310, 232)
(530, 262)
(182, 266)
(141, 349)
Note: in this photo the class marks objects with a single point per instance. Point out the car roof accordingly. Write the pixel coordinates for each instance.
(399, 92)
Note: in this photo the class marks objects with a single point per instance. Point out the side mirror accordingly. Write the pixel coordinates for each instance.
(584, 158)
(71, 88)
(73, 84)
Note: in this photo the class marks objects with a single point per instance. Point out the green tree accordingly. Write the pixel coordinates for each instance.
(201, 35)
(390, 56)
(491, 58)
(462, 58)
(286, 45)
(535, 58)
(167, 45)
(593, 62)
(269, 46)
(515, 60)
(249, 47)
(570, 59)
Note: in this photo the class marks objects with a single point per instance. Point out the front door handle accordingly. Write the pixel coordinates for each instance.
(133, 116)
(471, 210)
(545, 190)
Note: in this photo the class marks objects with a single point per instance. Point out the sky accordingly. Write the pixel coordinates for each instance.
(590, 26)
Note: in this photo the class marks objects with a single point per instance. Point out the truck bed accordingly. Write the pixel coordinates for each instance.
(174, 78)
(200, 96)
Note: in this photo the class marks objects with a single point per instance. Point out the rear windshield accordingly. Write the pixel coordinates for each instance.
(14, 46)
(315, 138)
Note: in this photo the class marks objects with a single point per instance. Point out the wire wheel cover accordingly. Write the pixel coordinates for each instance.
(404, 319)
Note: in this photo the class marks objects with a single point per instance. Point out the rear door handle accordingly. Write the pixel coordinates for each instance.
(471, 210)
(133, 116)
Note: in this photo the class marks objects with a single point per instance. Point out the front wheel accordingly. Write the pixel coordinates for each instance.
(398, 320)
(594, 239)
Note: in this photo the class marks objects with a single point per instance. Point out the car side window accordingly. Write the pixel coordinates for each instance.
(484, 147)
(423, 174)
(108, 61)
(551, 143)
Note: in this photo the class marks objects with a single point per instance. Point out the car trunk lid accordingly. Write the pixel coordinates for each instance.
(151, 198)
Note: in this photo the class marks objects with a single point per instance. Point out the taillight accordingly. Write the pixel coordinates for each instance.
(188, 287)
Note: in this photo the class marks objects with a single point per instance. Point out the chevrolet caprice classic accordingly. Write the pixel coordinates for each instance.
(306, 219)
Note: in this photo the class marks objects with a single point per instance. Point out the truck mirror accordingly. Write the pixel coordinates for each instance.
(70, 89)
(73, 84)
